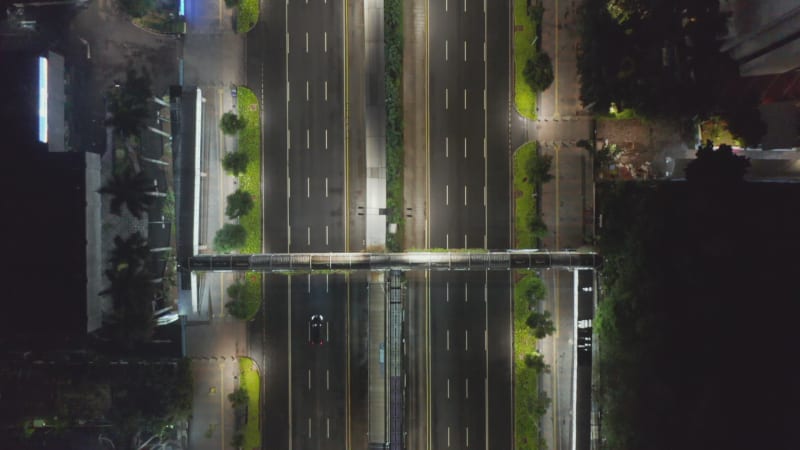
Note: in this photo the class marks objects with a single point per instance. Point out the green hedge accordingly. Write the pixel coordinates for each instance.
(250, 381)
(247, 15)
(528, 226)
(250, 180)
(393, 26)
(524, 49)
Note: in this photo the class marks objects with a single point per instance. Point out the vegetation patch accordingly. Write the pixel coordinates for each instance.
(525, 49)
(250, 179)
(249, 381)
(393, 25)
(530, 170)
(245, 297)
(529, 404)
(247, 15)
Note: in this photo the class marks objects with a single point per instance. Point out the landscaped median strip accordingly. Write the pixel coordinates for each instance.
(250, 180)
(249, 379)
(524, 49)
(525, 214)
(247, 15)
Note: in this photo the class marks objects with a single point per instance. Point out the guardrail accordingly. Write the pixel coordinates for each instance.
(315, 262)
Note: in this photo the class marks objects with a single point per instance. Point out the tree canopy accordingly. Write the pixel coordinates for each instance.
(716, 168)
(230, 237)
(128, 103)
(130, 189)
(239, 204)
(235, 163)
(232, 123)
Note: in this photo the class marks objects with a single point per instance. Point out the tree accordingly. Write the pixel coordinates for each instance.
(536, 362)
(232, 3)
(235, 162)
(239, 204)
(230, 237)
(239, 397)
(541, 324)
(538, 71)
(716, 168)
(130, 189)
(128, 104)
(538, 169)
(129, 253)
(232, 123)
(137, 8)
(131, 293)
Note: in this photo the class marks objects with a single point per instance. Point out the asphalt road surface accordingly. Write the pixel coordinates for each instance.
(309, 401)
(457, 102)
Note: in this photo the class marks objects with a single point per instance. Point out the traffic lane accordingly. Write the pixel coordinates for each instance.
(458, 359)
(276, 351)
(318, 371)
(564, 352)
(498, 111)
(500, 360)
(416, 361)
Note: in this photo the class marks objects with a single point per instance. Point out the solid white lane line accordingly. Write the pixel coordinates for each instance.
(465, 5)
(484, 51)
(465, 147)
(326, 187)
(484, 196)
(288, 93)
(465, 195)
(308, 138)
(326, 282)
(309, 283)
(306, 41)
(288, 139)
(288, 188)
(465, 241)
(484, 148)
(326, 90)
(446, 98)
(309, 427)
(308, 187)
(447, 292)
(465, 98)
(466, 293)
(328, 427)
(447, 147)
(466, 340)
(446, 194)
(448, 339)
(446, 50)
(447, 240)
(326, 235)
(326, 42)
(308, 90)
(448, 436)
(287, 43)
(465, 50)
(326, 138)
(289, 234)
(309, 379)
(445, 5)
(308, 236)
(484, 99)
(485, 340)
(448, 388)
(327, 331)
(466, 388)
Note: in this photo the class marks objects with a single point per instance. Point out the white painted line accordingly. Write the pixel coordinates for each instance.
(484, 147)
(446, 194)
(326, 138)
(448, 388)
(307, 91)
(288, 93)
(309, 285)
(309, 379)
(288, 139)
(288, 188)
(308, 138)
(465, 98)
(448, 339)
(465, 5)
(447, 292)
(309, 419)
(328, 427)
(465, 50)
(308, 187)
(484, 51)
(326, 282)
(447, 240)
(446, 98)
(448, 436)
(327, 331)
(465, 195)
(287, 43)
(326, 90)
(465, 241)
(445, 5)
(466, 340)
(306, 41)
(326, 235)
(289, 234)
(465, 147)
(466, 293)
(328, 379)
(308, 236)
(326, 42)
(446, 50)
(467, 441)
(326, 187)
(446, 147)
(466, 389)
(484, 196)
(484, 99)
(485, 340)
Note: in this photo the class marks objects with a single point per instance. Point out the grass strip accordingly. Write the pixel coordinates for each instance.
(250, 381)
(393, 25)
(252, 295)
(250, 180)
(528, 409)
(524, 200)
(247, 15)
(524, 49)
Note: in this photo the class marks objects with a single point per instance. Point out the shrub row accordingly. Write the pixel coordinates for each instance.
(393, 40)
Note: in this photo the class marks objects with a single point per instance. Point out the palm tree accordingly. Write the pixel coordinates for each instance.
(129, 253)
(130, 189)
(131, 292)
(128, 103)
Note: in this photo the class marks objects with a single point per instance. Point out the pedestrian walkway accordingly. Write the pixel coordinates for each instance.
(376, 359)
